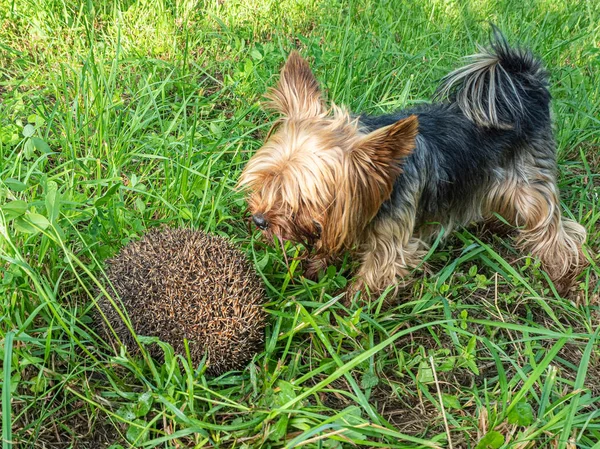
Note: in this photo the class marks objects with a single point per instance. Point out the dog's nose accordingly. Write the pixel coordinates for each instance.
(260, 221)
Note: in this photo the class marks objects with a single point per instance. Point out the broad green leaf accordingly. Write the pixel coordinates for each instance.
(262, 263)
(471, 345)
(286, 392)
(126, 413)
(256, 54)
(41, 145)
(29, 150)
(369, 380)
(14, 209)
(137, 434)
(341, 281)
(28, 130)
(52, 201)
(31, 223)
(143, 405)
(37, 220)
(15, 185)
(451, 401)
(447, 364)
(425, 374)
(491, 440)
(185, 213)
(352, 416)
(472, 366)
(331, 271)
(521, 414)
(139, 204)
(215, 129)
(280, 428)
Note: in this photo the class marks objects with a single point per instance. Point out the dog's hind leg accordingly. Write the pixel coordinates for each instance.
(529, 198)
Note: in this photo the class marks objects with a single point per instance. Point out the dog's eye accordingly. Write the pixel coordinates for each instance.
(318, 228)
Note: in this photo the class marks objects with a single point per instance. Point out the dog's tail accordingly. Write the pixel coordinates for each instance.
(501, 87)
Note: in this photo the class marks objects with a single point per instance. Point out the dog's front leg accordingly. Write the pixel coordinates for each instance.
(388, 254)
(314, 265)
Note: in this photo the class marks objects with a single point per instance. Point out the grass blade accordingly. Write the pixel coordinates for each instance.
(6, 392)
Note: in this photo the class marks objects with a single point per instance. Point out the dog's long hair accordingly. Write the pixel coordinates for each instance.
(334, 181)
(499, 87)
(319, 179)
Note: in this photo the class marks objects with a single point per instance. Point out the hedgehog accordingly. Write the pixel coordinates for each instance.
(178, 284)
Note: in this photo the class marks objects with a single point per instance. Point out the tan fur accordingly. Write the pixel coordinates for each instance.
(297, 93)
(543, 232)
(388, 253)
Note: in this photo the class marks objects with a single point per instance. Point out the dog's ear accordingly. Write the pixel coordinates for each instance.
(378, 156)
(297, 94)
(367, 179)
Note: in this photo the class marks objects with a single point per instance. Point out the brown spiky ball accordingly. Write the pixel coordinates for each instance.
(181, 284)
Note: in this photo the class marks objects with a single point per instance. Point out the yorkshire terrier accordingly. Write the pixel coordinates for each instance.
(381, 186)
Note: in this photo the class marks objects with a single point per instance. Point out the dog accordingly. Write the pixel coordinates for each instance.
(383, 186)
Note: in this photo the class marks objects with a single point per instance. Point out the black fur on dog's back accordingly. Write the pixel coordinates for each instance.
(494, 122)
(501, 87)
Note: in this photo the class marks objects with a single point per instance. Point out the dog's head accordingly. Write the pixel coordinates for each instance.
(319, 179)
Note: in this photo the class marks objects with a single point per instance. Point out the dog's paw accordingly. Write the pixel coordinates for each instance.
(312, 268)
(356, 292)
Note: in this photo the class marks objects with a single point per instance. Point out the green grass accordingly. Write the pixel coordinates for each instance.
(118, 116)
